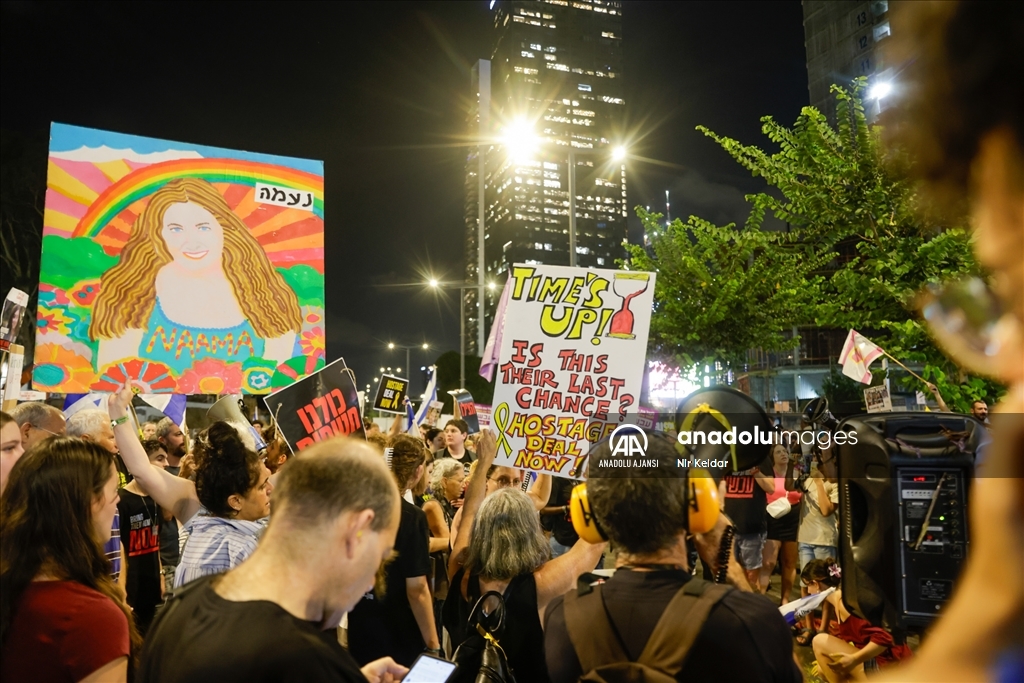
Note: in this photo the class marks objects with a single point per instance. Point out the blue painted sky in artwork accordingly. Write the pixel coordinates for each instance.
(65, 138)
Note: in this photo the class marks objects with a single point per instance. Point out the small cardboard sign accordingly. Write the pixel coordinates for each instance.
(318, 407)
(10, 319)
(433, 413)
(483, 415)
(391, 392)
(465, 409)
(877, 399)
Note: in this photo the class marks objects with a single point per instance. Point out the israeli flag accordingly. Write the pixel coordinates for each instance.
(171, 405)
(76, 402)
(429, 396)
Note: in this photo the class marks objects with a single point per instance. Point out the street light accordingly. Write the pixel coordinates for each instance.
(462, 287)
(880, 90)
(392, 346)
(521, 141)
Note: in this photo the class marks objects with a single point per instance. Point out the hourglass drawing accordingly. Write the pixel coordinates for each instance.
(627, 285)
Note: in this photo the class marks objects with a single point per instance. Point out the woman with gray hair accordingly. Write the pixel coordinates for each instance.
(505, 551)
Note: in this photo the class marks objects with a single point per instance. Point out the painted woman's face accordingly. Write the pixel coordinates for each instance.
(193, 236)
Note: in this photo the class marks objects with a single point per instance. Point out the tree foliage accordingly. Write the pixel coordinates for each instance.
(857, 251)
(720, 290)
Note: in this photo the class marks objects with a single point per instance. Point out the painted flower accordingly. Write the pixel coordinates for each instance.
(257, 374)
(313, 342)
(61, 370)
(150, 377)
(53, 320)
(211, 376)
(312, 316)
(294, 369)
(85, 292)
(52, 296)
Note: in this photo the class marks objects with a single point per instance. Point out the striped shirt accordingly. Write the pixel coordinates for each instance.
(215, 545)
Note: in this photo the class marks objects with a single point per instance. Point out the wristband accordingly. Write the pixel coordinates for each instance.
(119, 421)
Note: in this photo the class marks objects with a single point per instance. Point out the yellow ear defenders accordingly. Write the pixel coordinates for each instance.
(702, 500)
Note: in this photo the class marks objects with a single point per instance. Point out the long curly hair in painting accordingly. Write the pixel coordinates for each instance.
(128, 291)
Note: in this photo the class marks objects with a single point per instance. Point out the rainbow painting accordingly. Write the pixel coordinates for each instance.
(180, 267)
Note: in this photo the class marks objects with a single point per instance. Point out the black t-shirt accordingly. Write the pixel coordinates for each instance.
(169, 534)
(140, 540)
(207, 638)
(560, 525)
(744, 638)
(745, 503)
(467, 458)
(386, 627)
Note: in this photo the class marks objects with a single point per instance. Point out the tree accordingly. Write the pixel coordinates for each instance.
(865, 249)
(721, 291)
(448, 379)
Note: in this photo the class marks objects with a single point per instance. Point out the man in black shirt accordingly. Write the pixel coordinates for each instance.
(745, 497)
(275, 616)
(455, 433)
(744, 638)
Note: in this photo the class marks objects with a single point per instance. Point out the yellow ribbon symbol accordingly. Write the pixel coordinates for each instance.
(704, 408)
(501, 418)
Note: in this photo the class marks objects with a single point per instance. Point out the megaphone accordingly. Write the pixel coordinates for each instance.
(702, 503)
(721, 409)
(229, 409)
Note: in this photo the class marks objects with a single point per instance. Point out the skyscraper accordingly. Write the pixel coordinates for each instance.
(556, 93)
(842, 38)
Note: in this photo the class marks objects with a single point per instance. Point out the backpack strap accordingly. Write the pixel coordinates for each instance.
(591, 631)
(679, 625)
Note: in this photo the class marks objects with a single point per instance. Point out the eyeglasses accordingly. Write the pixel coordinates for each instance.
(44, 429)
(968, 320)
(505, 482)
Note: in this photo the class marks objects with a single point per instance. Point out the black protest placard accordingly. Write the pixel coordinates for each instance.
(465, 409)
(318, 407)
(391, 394)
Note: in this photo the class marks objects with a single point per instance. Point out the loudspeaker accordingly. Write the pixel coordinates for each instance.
(903, 528)
(228, 409)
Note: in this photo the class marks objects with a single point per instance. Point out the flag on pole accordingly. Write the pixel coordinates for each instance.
(429, 396)
(858, 353)
(171, 405)
(411, 426)
(76, 402)
(493, 348)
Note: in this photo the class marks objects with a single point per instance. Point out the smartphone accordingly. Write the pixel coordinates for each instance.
(429, 669)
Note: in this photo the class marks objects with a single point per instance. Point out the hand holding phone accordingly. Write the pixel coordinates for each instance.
(429, 669)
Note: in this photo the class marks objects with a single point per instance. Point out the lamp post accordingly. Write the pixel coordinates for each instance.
(392, 346)
(520, 141)
(462, 287)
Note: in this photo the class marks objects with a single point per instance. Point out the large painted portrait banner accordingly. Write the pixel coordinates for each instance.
(189, 269)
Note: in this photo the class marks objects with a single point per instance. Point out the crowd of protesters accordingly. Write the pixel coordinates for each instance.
(134, 552)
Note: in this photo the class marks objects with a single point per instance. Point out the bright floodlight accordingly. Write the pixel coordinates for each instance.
(491, 286)
(880, 90)
(619, 153)
(520, 140)
(433, 282)
(391, 345)
(382, 370)
(426, 346)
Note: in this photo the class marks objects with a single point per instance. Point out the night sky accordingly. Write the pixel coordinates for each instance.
(378, 91)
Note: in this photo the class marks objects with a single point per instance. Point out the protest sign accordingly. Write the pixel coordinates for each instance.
(877, 399)
(11, 316)
(318, 407)
(391, 392)
(483, 415)
(433, 413)
(571, 363)
(185, 268)
(465, 409)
